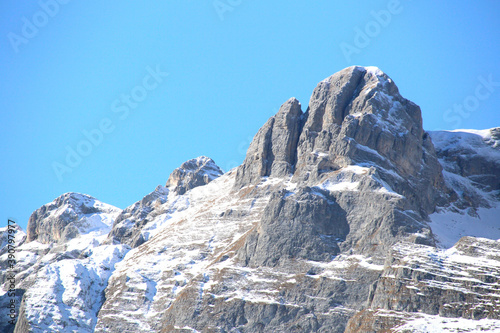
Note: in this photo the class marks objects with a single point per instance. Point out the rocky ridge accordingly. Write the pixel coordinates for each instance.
(336, 221)
(62, 265)
(67, 216)
(133, 227)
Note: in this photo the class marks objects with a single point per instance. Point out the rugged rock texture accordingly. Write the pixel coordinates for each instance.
(62, 219)
(273, 151)
(462, 282)
(304, 225)
(325, 227)
(471, 161)
(128, 226)
(355, 116)
(131, 226)
(196, 172)
(422, 286)
(61, 268)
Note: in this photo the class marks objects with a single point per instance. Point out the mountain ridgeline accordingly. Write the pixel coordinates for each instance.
(345, 217)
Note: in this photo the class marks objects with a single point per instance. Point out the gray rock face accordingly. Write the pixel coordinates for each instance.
(273, 151)
(417, 280)
(304, 225)
(326, 304)
(418, 284)
(356, 116)
(61, 219)
(462, 282)
(196, 172)
(129, 224)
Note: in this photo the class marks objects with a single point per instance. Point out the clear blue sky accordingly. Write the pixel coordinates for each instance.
(86, 66)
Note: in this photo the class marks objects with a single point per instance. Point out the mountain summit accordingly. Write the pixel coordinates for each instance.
(345, 217)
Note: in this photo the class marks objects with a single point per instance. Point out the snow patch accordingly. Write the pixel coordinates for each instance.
(449, 227)
(436, 324)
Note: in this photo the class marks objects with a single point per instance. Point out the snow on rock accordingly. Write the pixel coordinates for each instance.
(448, 227)
(139, 222)
(68, 294)
(69, 215)
(471, 162)
(17, 234)
(362, 177)
(62, 284)
(179, 253)
(421, 323)
(483, 143)
(62, 268)
(425, 289)
(196, 172)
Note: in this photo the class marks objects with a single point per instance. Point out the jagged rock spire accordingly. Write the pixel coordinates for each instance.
(273, 151)
(354, 116)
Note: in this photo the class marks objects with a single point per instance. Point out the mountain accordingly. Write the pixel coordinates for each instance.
(345, 217)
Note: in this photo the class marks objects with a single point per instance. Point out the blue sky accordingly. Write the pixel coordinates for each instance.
(137, 88)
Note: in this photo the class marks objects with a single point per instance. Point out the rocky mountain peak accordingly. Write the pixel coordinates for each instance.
(355, 117)
(348, 217)
(358, 116)
(195, 172)
(354, 91)
(66, 217)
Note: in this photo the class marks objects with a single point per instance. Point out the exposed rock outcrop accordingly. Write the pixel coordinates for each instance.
(196, 172)
(358, 130)
(129, 226)
(304, 225)
(65, 217)
(273, 151)
(462, 282)
(355, 116)
(471, 162)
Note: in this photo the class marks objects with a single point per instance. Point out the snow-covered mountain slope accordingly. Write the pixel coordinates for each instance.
(61, 279)
(452, 288)
(142, 220)
(345, 217)
(471, 163)
(182, 252)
